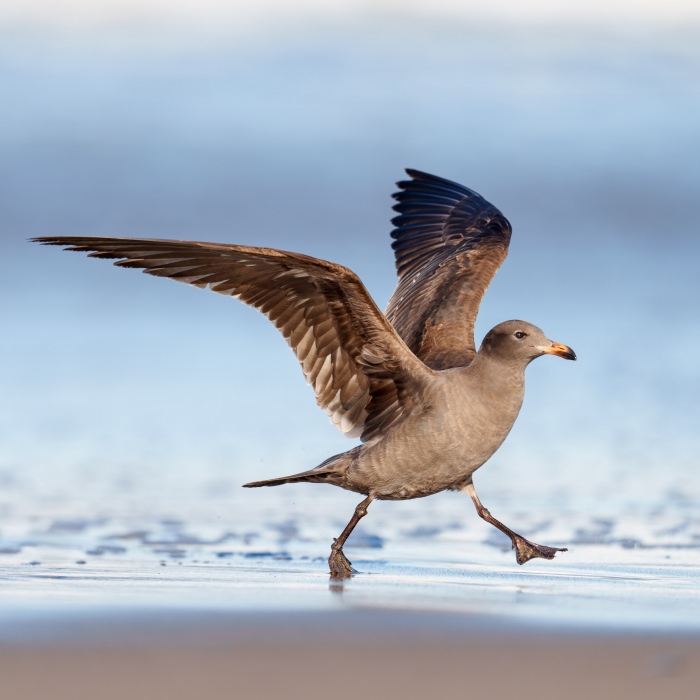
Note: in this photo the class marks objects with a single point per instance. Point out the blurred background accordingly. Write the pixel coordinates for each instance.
(285, 124)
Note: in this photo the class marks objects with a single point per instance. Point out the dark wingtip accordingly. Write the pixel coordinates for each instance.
(422, 176)
(47, 240)
(436, 180)
(413, 174)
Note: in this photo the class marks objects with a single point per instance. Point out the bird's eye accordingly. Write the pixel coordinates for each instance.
(519, 335)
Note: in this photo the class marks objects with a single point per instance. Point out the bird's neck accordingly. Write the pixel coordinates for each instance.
(504, 379)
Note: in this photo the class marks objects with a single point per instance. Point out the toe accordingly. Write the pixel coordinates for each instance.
(524, 551)
(340, 567)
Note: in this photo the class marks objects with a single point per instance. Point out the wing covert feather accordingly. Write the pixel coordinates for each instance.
(362, 373)
(449, 243)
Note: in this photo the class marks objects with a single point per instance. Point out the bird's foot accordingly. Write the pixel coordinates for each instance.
(339, 564)
(525, 550)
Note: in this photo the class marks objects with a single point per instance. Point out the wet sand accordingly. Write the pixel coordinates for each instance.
(366, 653)
(426, 617)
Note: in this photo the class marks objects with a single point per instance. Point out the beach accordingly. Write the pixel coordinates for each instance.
(134, 564)
(368, 652)
(220, 607)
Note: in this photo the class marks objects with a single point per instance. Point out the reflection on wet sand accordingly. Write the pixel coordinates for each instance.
(620, 573)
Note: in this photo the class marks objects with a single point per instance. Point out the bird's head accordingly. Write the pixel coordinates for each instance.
(519, 340)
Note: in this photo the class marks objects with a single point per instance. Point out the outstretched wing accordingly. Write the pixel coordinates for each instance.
(449, 244)
(364, 376)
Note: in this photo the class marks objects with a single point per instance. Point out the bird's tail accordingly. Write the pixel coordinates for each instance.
(327, 472)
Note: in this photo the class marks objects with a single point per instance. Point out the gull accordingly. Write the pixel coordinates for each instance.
(428, 407)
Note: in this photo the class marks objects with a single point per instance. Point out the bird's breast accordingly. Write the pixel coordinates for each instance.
(459, 429)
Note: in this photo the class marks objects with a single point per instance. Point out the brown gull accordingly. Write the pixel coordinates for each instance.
(428, 408)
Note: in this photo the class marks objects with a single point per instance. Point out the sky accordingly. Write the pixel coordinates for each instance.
(224, 13)
(585, 135)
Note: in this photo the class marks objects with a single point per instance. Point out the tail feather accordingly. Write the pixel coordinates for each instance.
(326, 472)
(294, 478)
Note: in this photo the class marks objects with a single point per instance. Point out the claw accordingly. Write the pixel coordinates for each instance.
(525, 550)
(340, 566)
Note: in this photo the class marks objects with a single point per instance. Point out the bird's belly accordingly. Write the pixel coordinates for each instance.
(423, 459)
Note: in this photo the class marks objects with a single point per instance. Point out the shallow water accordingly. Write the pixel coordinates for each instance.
(267, 552)
(134, 409)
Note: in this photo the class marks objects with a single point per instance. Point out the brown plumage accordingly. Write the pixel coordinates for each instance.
(449, 243)
(349, 353)
(429, 409)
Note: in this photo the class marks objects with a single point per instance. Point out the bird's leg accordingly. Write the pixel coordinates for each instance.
(524, 550)
(340, 566)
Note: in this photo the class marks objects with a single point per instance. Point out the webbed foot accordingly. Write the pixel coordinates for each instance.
(340, 566)
(525, 550)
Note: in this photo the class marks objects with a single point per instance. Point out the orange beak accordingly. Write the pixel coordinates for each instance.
(559, 350)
